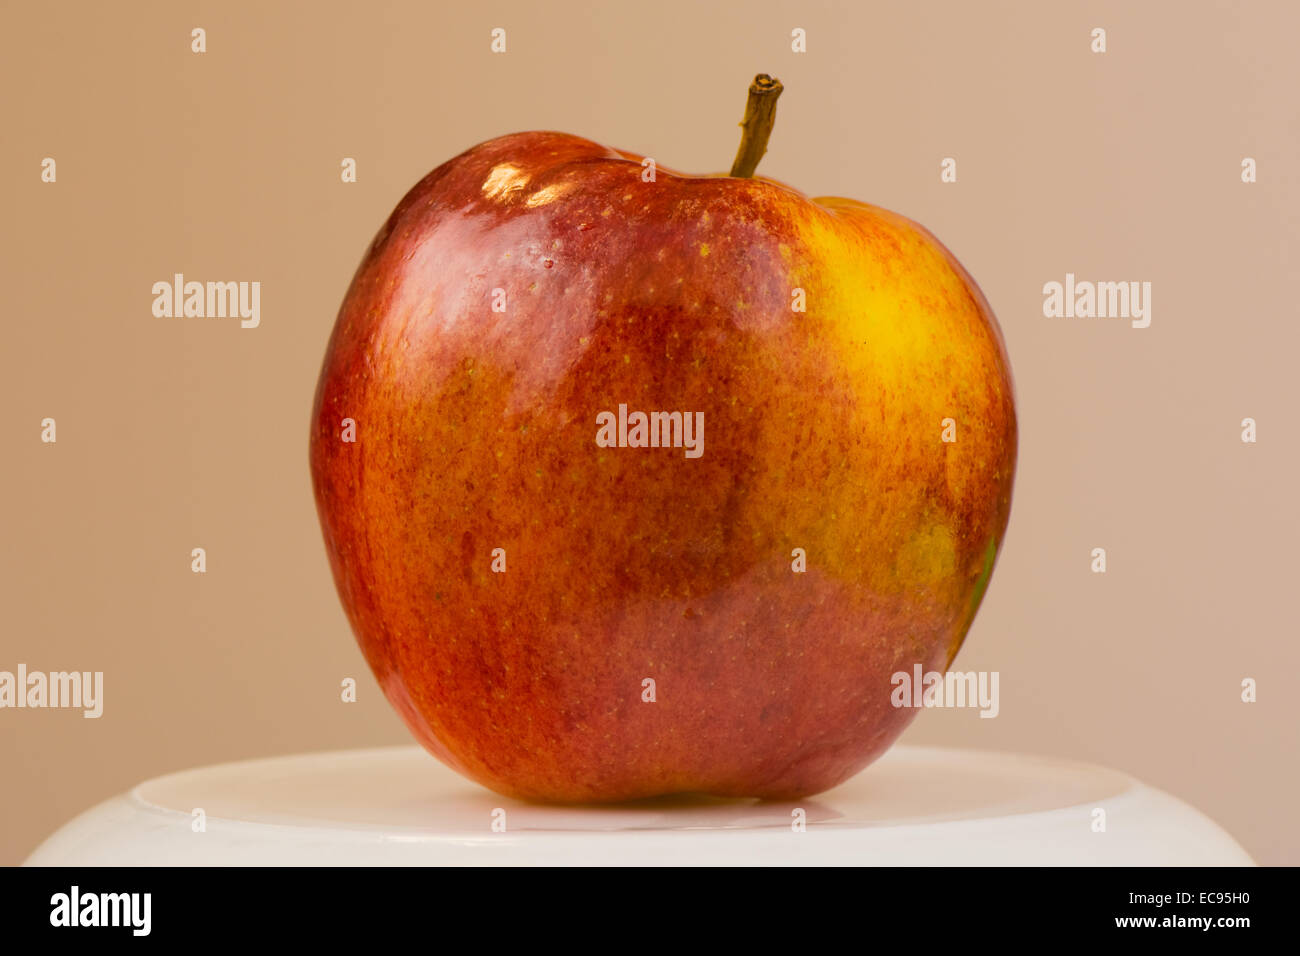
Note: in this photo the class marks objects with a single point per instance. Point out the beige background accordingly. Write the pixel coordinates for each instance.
(180, 433)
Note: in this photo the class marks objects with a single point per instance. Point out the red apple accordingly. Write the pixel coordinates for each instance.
(656, 621)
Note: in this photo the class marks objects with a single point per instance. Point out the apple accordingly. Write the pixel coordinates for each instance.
(565, 595)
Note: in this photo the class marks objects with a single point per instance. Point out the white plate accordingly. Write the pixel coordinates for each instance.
(400, 806)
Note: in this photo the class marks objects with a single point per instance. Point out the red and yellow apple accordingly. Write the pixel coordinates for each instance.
(563, 620)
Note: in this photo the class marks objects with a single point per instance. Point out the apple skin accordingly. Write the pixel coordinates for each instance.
(475, 430)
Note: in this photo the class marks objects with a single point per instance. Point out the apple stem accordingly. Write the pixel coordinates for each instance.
(760, 117)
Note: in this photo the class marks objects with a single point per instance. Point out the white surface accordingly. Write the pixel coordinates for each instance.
(400, 806)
